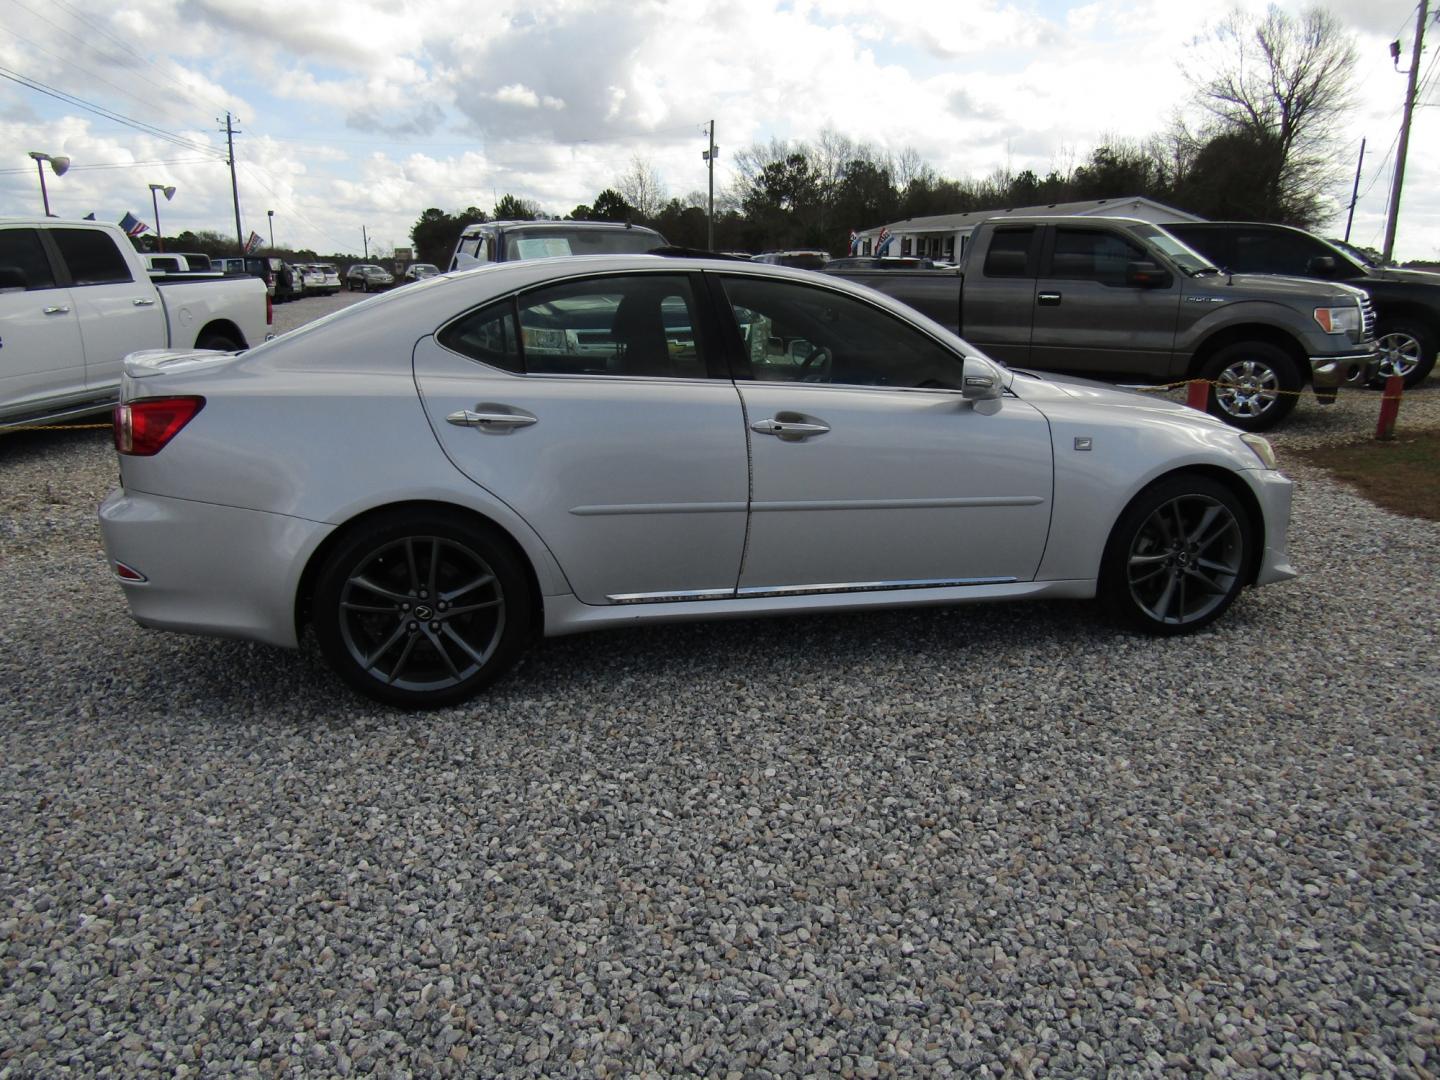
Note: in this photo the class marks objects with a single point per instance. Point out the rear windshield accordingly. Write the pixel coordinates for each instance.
(543, 243)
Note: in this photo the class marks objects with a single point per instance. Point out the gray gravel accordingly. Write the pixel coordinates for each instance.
(978, 841)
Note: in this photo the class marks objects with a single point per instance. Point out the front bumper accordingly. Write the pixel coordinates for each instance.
(209, 569)
(1274, 491)
(1332, 372)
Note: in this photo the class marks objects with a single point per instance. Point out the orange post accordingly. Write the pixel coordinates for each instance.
(1390, 407)
(1198, 396)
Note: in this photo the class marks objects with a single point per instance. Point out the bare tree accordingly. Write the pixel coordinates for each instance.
(642, 188)
(1282, 83)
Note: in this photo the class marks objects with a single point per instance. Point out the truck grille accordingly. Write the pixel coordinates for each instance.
(1367, 319)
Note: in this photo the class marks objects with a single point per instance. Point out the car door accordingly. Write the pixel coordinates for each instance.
(118, 314)
(998, 295)
(869, 469)
(597, 410)
(41, 355)
(1089, 319)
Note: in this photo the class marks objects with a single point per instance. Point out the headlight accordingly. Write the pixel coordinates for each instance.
(1338, 320)
(1262, 449)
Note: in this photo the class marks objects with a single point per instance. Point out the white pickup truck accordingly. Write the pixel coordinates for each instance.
(75, 298)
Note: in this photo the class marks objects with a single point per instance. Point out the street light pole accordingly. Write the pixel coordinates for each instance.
(59, 164)
(709, 156)
(270, 216)
(155, 203)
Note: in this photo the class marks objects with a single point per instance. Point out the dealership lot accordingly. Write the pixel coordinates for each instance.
(1001, 837)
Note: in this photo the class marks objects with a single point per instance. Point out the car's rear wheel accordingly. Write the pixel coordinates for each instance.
(1406, 349)
(421, 610)
(1177, 557)
(1254, 385)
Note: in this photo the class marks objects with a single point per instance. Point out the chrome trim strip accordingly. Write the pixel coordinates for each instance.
(603, 509)
(802, 590)
(894, 504)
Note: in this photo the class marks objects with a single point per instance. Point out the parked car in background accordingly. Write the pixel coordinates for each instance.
(75, 297)
(801, 260)
(329, 279)
(157, 263)
(1407, 302)
(313, 277)
(510, 241)
(420, 271)
(1123, 299)
(880, 262)
(267, 268)
(367, 277)
(569, 446)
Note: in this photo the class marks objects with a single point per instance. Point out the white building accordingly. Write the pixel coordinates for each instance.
(944, 236)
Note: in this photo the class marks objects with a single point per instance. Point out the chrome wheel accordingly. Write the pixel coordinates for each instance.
(421, 613)
(1247, 388)
(1400, 353)
(1185, 560)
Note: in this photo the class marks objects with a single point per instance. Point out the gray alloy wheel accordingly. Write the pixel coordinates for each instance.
(1255, 385)
(421, 613)
(1178, 556)
(1406, 350)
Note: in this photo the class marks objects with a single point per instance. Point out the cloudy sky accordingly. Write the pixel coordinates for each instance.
(363, 114)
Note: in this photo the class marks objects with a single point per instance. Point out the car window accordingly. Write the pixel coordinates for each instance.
(799, 333)
(487, 335)
(1266, 251)
(640, 324)
(20, 249)
(1091, 255)
(1009, 254)
(92, 256)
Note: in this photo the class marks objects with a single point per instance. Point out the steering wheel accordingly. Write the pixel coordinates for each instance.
(816, 364)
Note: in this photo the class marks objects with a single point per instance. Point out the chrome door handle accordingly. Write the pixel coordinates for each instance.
(143, 302)
(790, 430)
(1049, 299)
(58, 309)
(494, 421)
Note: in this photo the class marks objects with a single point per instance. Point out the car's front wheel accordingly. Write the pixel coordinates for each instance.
(421, 609)
(1253, 385)
(1177, 557)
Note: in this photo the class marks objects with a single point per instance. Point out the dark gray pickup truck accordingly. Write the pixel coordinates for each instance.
(1123, 299)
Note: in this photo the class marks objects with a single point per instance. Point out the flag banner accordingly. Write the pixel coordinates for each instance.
(132, 225)
(252, 245)
(854, 241)
(883, 241)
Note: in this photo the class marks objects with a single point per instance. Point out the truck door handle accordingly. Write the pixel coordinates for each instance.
(493, 418)
(789, 430)
(143, 302)
(1048, 299)
(58, 309)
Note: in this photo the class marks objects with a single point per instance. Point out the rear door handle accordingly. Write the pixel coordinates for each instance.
(58, 309)
(491, 417)
(789, 430)
(143, 302)
(1049, 299)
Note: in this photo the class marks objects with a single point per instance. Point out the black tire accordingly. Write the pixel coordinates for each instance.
(386, 614)
(1261, 385)
(1178, 556)
(1406, 348)
(213, 339)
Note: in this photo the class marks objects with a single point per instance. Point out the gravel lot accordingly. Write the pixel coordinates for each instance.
(977, 841)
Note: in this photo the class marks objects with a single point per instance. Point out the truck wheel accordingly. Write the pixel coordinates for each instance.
(1254, 385)
(213, 339)
(1406, 348)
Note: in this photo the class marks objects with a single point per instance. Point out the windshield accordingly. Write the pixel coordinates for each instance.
(1188, 259)
(1354, 253)
(543, 243)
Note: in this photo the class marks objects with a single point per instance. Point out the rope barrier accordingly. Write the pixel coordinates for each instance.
(53, 427)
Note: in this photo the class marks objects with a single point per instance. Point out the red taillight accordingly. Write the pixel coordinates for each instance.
(143, 427)
(269, 310)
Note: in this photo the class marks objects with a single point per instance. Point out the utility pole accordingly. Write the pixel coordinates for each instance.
(1414, 75)
(364, 237)
(709, 156)
(230, 132)
(1355, 192)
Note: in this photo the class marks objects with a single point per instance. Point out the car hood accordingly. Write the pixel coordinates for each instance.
(1038, 387)
(1265, 286)
(1404, 277)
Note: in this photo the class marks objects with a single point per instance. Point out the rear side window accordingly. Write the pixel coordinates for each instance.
(92, 257)
(1009, 254)
(487, 335)
(20, 250)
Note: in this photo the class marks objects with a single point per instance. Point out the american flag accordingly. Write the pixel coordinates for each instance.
(252, 245)
(132, 225)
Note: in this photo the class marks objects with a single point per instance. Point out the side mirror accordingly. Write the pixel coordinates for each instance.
(1143, 274)
(980, 380)
(1322, 266)
(465, 261)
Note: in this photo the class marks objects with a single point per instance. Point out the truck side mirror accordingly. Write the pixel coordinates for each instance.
(980, 380)
(1143, 274)
(1321, 266)
(464, 261)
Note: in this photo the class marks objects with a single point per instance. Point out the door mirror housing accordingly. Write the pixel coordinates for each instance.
(465, 261)
(980, 380)
(1143, 274)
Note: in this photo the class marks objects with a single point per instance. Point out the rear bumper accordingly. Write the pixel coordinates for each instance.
(209, 569)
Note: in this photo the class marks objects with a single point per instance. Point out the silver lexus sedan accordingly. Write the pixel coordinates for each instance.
(432, 478)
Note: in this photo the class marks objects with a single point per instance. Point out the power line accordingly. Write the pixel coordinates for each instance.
(123, 165)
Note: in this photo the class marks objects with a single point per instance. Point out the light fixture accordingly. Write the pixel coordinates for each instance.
(154, 202)
(58, 164)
